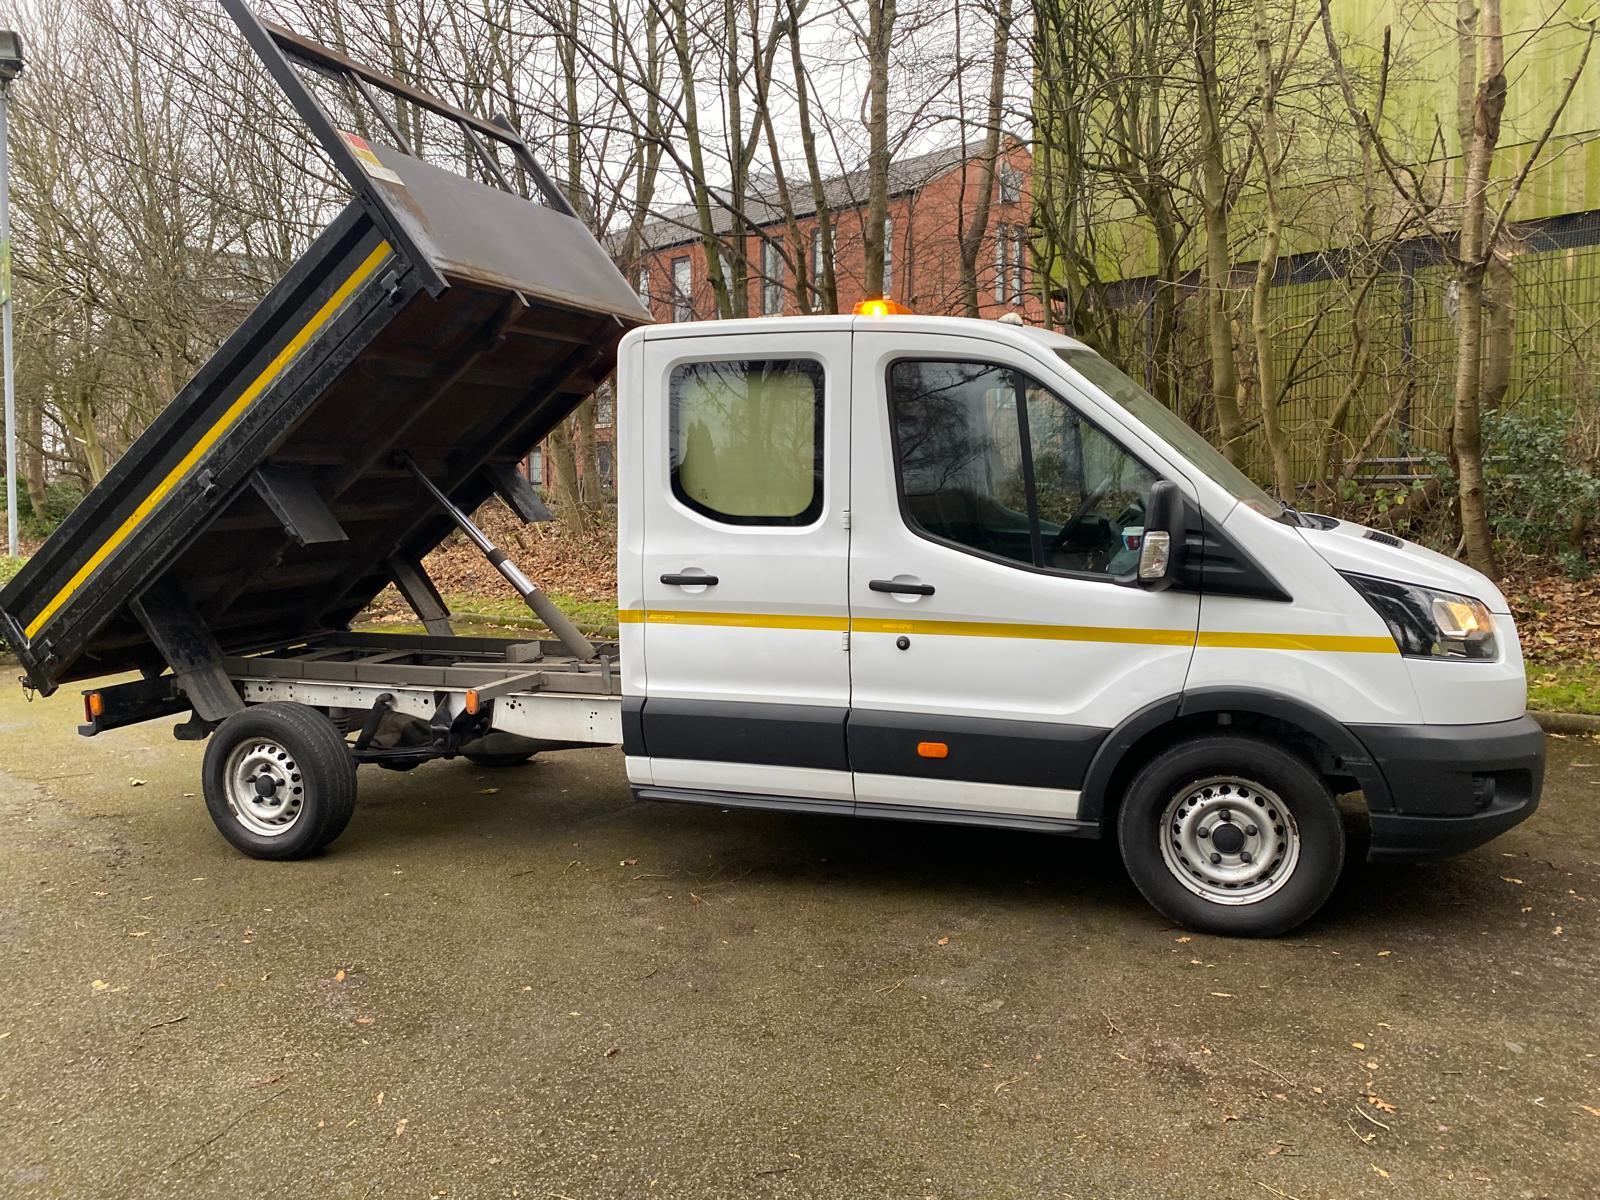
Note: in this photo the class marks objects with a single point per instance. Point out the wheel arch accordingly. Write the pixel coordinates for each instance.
(1331, 748)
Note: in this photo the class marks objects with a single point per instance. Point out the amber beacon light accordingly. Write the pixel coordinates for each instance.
(882, 306)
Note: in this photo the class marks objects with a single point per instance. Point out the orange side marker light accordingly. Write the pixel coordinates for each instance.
(472, 702)
(933, 750)
(94, 705)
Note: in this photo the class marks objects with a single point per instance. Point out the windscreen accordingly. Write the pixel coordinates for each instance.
(1172, 429)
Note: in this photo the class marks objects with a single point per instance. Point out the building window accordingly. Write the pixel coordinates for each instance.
(1010, 184)
(536, 466)
(1010, 264)
(746, 440)
(682, 290)
(1019, 264)
(602, 454)
(1002, 255)
(816, 261)
(996, 464)
(772, 269)
(888, 256)
(644, 286)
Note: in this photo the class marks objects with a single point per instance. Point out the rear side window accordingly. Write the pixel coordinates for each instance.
(746, 440)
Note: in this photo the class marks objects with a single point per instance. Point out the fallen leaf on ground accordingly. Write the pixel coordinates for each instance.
(944, 941)
(1185, 938)
(400, 1126)
(363, 1020)
(1380, 1170)
(1592, 1111)
(338, 976)
(1379, 1103)
(99, 985)
(1508, 879)
(629, 862)
(1359, 1045)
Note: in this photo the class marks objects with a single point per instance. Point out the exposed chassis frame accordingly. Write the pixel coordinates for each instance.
(463, 688)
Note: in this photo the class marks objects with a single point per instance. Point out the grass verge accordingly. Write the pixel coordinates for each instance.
(9, 567)
(1565, 687)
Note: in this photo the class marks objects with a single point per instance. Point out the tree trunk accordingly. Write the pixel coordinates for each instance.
(33, 455)
(880, 37)
(1489, 98)
(1267, 265)
(1218, 266)
(974, 232)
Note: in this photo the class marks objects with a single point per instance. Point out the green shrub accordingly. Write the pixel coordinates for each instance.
(1537, 489)
(9, 567)
(60, 498)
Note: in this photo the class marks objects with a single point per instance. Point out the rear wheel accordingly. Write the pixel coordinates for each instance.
(1231, 834)
(279, 781)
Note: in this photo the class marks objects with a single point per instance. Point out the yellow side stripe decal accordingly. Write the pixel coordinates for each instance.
(211, 436)
(1328, 643)
(1047, 633)
(661, 616)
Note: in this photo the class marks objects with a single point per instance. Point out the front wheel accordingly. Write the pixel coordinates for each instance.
(1231, 834)
(279, 780)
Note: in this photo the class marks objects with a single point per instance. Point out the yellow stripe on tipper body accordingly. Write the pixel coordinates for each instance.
(1124, 635)
(280, 362)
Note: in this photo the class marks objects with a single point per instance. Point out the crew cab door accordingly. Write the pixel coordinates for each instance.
(991, 648)
(744, 557)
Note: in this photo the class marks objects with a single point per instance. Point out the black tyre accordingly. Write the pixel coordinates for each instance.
(279, 781)
(1231, 834)
(512, 759)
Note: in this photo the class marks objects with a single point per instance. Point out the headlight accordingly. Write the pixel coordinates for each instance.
(1430, 624)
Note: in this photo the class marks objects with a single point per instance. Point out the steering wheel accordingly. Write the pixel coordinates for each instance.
(1084, 509)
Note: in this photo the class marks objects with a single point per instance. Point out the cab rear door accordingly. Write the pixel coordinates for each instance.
(744, 557)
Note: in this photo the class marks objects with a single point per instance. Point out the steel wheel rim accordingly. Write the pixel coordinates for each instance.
(266, 791)
(1229, 840)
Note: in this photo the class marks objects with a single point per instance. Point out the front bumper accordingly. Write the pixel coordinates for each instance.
(1453, 787)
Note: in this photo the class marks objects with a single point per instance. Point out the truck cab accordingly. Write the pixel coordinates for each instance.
(957, 570)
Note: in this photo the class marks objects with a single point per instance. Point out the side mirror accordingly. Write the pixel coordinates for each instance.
(1163, 521)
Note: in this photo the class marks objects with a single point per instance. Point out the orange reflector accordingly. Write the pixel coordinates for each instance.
(472, 703)
(932, 750)
(94, 705)
(882, 307)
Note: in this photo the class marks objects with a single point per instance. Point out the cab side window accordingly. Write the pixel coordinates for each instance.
(992, 462)
(746, 440)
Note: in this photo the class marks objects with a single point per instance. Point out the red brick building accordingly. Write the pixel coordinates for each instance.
(922, 259)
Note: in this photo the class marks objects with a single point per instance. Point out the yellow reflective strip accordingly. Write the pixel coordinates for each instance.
(1045, 633)
(1324, 642)
(228, 419)
(732, 620)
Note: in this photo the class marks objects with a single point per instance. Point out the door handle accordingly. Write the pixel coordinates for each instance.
(677, 580)
(901, 589)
